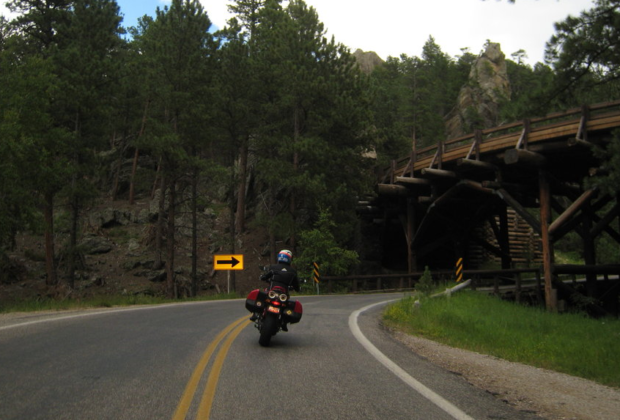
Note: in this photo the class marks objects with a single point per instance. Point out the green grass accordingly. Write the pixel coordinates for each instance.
(100, 302)
(568, 343)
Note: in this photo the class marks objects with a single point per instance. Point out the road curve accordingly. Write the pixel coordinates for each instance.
(202, 360)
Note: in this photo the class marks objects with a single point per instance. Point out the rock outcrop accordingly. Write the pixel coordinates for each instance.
(480, 99)
(367, 61)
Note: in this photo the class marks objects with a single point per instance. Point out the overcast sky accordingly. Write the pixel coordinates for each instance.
(395, 27)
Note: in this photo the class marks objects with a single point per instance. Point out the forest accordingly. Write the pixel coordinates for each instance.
(266, 104)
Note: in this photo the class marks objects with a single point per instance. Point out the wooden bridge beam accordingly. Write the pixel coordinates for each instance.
(503, 238)
(439, 173)
(571, 210)
(410, 232)
(513, 156)
(477, 165)
(521, 211)
(412, 181)
(392, 189)
(605, 221)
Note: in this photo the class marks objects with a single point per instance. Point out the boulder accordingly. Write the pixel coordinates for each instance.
(110, 217)
(93, 245)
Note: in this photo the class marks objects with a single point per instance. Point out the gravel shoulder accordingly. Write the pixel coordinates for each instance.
(554, 396)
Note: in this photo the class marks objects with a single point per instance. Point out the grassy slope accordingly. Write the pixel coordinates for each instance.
(569, 343)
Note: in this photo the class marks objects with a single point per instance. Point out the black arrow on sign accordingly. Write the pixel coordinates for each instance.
(233, 262)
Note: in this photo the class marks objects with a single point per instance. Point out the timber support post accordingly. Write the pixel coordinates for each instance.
(410, 233)
(547, 244)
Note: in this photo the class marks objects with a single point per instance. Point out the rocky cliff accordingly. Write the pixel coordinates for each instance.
(480, 99)
(367, 60)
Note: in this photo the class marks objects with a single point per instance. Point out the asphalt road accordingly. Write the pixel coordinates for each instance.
(203, 360)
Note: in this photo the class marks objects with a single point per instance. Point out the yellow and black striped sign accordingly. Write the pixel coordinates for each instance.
(316, 276)
(459, 270)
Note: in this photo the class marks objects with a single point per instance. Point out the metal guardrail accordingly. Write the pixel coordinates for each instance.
(494, 279)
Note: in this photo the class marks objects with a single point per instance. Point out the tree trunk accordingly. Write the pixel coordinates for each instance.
(195, 232)
(73, 233)
(293, 203)
(157, 178)
(231, 208)
(136, 156)
(159, 226)
(50, 263)
(170, 280)
(243, 171)
(134, 169)
(119, 165)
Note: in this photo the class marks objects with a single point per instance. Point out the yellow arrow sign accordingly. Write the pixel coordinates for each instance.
(228, 262)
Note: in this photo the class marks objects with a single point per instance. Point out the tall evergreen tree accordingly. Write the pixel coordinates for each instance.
(585, 53)
(87, 66)
(25, 82)
(176, 49)
(239, 84)
(39, 21)
(315, 116)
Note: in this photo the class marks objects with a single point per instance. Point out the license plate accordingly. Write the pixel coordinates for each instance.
(273, 309)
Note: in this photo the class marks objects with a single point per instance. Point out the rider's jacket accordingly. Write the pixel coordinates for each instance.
(282, 275)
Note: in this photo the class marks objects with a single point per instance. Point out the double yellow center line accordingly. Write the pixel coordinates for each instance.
(204, 409)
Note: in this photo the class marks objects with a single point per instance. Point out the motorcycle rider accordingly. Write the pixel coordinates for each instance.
(283, 275)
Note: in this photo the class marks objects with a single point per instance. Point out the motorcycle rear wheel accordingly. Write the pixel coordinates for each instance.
(268, 329)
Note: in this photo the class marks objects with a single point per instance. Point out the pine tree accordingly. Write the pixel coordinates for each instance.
(88, 44)
(176, 52)
(315, 116)
(48, 141)
(585, 53)
(239, 83)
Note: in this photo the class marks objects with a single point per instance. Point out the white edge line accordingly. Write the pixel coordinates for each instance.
(50, 317)
(59, 316)
(429, 394)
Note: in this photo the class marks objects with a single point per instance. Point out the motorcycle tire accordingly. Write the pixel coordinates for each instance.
(268, 329)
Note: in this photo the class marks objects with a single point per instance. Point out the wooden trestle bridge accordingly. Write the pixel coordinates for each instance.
(537, 168)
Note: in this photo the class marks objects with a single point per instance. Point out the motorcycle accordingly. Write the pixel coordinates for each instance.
(273, 309)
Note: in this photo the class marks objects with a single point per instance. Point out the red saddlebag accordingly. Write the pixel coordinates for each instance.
(293, 311)
(255, 301)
